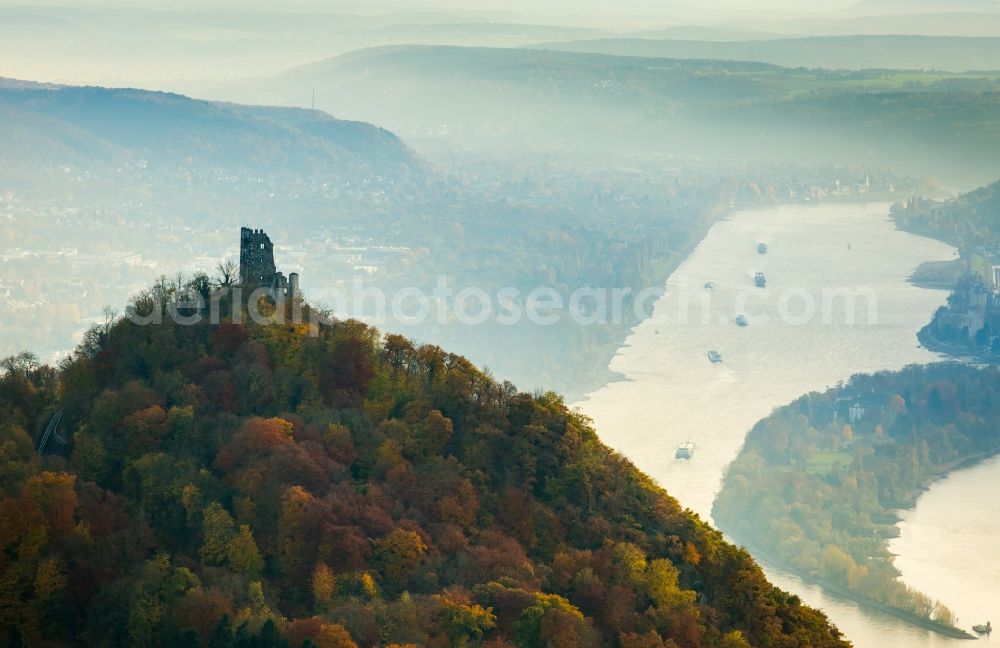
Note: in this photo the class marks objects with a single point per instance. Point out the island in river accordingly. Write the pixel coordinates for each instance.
(819, 482)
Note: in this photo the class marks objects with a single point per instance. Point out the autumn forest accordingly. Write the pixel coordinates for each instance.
(245, 484)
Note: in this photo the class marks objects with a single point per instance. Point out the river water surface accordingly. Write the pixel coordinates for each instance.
(950, 543)
(802, 336)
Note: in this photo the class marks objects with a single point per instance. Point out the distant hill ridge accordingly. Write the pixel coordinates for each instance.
(46, 123)
(917, 123)
(949, 53)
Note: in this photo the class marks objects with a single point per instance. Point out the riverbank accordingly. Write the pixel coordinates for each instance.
(603, 374)
(762, 555)
(954, 352)
(973, 260)
(765, 556)
(938, 474)
(606, 375)
(938, 275)
(941, 543)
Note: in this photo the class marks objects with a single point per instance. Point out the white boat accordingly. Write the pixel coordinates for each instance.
(685, 451)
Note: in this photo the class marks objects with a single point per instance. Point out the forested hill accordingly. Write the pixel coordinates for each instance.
(92, 128)
(819, 482)
(969, 221)
(917, 123)
(259, 485)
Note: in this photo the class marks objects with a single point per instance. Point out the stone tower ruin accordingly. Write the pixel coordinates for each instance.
(257, 269)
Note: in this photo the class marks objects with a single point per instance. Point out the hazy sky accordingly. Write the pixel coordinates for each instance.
(532, 7)
(181, 43)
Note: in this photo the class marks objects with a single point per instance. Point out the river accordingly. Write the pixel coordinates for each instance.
(801, 337)
(948, 543)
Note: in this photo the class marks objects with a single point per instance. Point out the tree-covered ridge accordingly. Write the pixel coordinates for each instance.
(856, 52)
(93, 128)
(818, 483)
(970, 222)
(243, 484)
(921, 123)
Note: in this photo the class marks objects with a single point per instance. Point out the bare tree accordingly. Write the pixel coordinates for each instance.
(21, 364)
(110, 319)
(227, 273)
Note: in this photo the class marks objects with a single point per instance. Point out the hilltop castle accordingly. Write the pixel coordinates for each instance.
(257, 269)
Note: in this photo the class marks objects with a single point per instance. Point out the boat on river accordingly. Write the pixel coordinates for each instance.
(760, 280)
(983, 629)
(685, 451)
(762, 248)
(741, 320)
(715, 357)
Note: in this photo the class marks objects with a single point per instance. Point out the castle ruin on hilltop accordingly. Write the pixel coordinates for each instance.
(257, 269)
